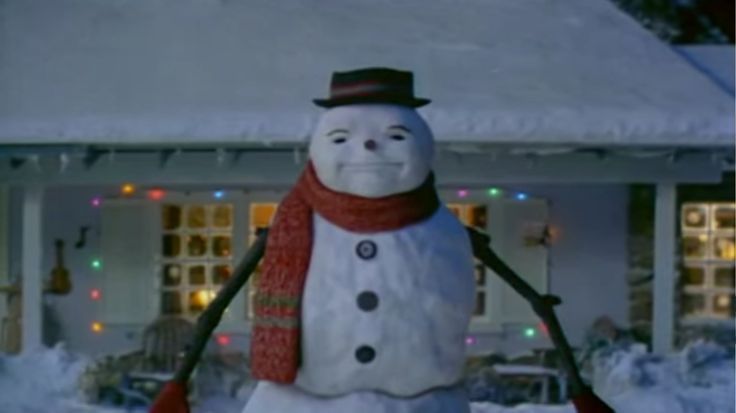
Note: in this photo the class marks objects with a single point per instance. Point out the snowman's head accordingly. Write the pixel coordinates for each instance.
(372, 150)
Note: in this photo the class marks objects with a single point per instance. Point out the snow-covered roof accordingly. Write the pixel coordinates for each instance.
(715, 61)
(229, 71)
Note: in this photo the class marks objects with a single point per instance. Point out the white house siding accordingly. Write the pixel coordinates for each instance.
(588, 266)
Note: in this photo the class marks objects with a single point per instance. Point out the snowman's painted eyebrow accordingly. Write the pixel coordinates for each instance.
(337, 131)
(400, 127)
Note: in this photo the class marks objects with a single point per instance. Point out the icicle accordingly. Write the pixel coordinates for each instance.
(221, 156)
(36, 162)
(63, 162)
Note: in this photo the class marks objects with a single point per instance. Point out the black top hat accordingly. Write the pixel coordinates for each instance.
(372, 85)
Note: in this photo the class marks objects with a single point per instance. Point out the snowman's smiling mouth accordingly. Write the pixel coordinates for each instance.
(369, 166)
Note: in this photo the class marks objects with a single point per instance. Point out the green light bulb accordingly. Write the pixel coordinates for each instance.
(530, 332)
(96, 264)
(494, 192)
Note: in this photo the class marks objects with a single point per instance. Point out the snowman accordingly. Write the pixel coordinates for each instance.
(367, 286)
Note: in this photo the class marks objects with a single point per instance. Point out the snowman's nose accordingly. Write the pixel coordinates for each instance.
(370, 144)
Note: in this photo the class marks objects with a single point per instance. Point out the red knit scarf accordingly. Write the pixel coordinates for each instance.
(275, 349)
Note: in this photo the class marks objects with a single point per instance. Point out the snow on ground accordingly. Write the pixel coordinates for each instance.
(698, 379)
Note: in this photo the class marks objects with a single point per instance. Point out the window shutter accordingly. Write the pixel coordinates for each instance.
(129, 232)
(516, 229)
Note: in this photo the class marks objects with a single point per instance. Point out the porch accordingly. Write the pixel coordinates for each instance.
(558, 215)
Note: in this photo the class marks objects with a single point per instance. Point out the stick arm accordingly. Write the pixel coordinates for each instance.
(543, 306)
(212, 315)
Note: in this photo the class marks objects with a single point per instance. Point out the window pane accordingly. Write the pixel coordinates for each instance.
(480, 274)
(693, 276)
(724, 217)
(196, 245)
(197, 275)
(724, 248)
(170, 302)
(261, 214)
(170, 217)
(196, 216)
(693, 246)
(724, 276)
(199, 299)
(172, 275)
(480, 303)
(723, 304)
(222, 216)
(221, 246)
(171, 245)
(694, 216)
(221, 274)
(478, 216)
(693, 303)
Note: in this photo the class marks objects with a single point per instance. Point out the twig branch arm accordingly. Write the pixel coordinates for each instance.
(211, 316)
(543, 305)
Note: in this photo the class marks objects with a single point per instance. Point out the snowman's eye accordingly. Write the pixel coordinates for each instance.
(398, 132)
(338, 136)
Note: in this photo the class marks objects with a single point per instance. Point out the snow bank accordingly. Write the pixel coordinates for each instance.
(35, 381)
(698, 379)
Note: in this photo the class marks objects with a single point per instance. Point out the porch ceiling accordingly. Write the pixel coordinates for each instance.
(234, 72)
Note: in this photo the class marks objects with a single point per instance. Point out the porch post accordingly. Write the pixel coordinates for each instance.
(32, 253)
(664, 269)
(4, 251)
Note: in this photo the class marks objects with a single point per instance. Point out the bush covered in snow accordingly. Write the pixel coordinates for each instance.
(698, 379)
(33, 381)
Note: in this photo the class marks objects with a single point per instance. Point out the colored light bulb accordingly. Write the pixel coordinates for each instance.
(128, 189)
(95, 294)
(530, 332)
(462, 193)
(97, 327)
(96, 202)
(522, 196)
(219, 194)
(96, 264)
(156, 194)
(223, 340)
(494, 192)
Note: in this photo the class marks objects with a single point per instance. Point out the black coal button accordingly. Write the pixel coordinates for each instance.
(367, 301)
(365, 354)
(366, 249)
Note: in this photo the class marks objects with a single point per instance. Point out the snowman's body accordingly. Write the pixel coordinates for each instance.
(384, 319)
(387, 311)
(384, 315)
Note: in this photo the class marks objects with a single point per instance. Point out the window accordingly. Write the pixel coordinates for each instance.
(261, 215)
(475, 215)
(196, 250)
(709, 251)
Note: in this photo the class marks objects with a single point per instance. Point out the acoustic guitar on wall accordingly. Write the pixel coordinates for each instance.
(60, 280)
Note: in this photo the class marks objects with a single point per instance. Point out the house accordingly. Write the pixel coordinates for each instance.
(153, 138)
